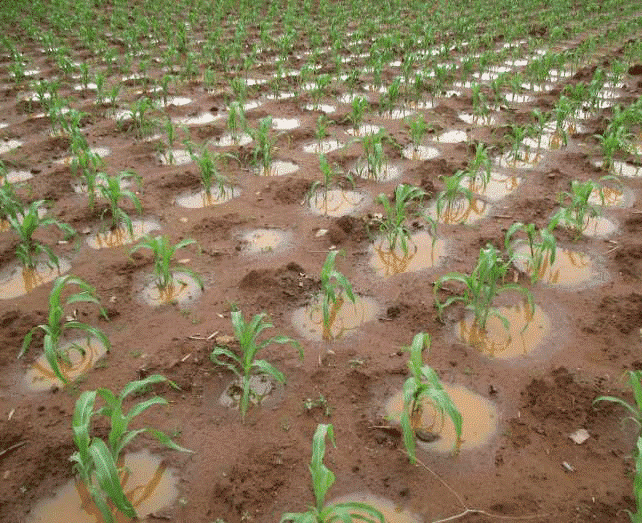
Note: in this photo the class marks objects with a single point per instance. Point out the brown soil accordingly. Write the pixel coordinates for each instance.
(257, 470)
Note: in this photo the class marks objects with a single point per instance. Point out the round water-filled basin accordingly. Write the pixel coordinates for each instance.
(120, 236)
(422, 252)
(436, 432)
(17, 280)
(83, 354)
(344, 318)
(527, 330)
(147, 483)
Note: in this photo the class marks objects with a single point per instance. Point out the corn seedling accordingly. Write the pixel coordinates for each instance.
(245, 365)
(264, 148)
(99, 463)
(418, 128)
(393, 223)
(578, 211)
(85, 165)
(209, 171)
(25, 223)
(635, 411)
(334, 285)
(454, 191)
(236, 121)
(481, 287)
(113, 189)
(357, 111)
(163, 254)
(542, 247)
(322, 480)
(331, 177)
(424, 385)
(57, 325)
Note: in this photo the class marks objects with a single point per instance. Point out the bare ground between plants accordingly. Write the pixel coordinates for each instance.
(258, 470)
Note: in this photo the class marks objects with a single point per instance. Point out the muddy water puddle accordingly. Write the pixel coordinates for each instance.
(452, 137)
(421, 253)
(344, 318)
(121, 236)
(278, 168)
(264, 241)
(474, 119)
(199, 119)
(380, 173)
(499, 186)
(8, 145)
(324, 146)
(82, 354)
(392, 513)
(18, 281)
(461, 211)
(595, 226)
(202, 199)
(285, 124)
(183, 289)
(262, 391)
(611, 197)
(175, 157)
(16, 177)
(228, 140)
(363, 130)
(420, 152)
(336, 202)
(527, 331)
(436, 432)
(146, 481)
(524, 159)
(569, 269)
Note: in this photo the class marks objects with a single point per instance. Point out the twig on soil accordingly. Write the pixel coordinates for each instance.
(505, 216)
(612, 248)
(199, 337)
(12, 447)
(468, 510)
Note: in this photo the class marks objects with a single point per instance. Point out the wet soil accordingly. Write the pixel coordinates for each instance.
(257, 470)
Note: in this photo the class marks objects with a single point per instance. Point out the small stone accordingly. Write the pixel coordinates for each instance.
(183, 219)
(86, 230)
(323, 232)
(225, 339)
(579, 436)
(567, 467)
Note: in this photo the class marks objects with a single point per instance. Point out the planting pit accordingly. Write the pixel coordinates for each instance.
(421, 254)
(17, 281)
(324, 146)
(254, 470)
(336, 202)
(392, 513)
(498, 187)
(120, 236)
(420, 152)
(526, 333)
(183, 289)
(264, 241)
(40, 377)
(570, 268)
(228, 140)
(461, 211)
(148, 484)
(435, 433)
(278, 168)
(345, 318)
(202, 199)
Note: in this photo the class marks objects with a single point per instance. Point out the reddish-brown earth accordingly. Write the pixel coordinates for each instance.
(257, 470)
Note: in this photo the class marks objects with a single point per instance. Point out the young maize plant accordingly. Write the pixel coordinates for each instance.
(245, 365)
(424, 386)
(322, 480)
(99, 463)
